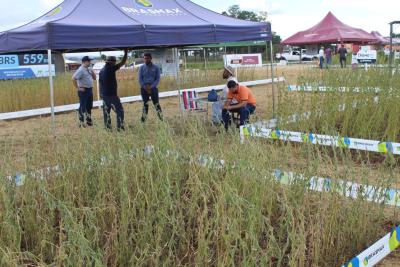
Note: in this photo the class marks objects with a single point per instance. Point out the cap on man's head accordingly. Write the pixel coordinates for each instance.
(230, 70)
(86, 58)
(111, 59)
(232, 84)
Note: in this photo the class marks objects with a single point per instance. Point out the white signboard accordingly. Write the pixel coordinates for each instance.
(19, 66)
(164, 58)
(243, 60)
(366, 55)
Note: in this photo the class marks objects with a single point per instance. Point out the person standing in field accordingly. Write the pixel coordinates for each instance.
(228, 75)
(109, 91)
(328, 56)
(83, 82)
(342, 55)
(149, 79)
(246, 103)
(321, 57)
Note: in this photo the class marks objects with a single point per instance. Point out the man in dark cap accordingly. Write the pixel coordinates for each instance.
(108, 91)
(149, 78)
(83, 82)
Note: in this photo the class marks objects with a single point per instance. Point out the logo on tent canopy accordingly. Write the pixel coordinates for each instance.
(144, 3)
(54, 12)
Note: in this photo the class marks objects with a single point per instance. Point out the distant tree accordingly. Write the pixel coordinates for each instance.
(235, 12)
(103, 57)
(396, 35)
(276, 39)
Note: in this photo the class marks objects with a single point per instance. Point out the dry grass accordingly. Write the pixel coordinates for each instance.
(157, 211)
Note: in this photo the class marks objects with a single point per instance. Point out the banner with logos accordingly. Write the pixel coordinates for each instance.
(24, 66)
(243, 60)
(366, 55)
(318, 139)
(378, 251)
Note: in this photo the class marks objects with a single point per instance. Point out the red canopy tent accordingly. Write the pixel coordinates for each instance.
(330, 30)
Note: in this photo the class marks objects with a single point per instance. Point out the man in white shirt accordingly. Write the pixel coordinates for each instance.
(321, 57)
(228, 75)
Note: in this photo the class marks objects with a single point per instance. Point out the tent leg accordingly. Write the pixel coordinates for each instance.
(272, 77)
(205, 62)
(178, 78)
(98, 88)
(53, 120)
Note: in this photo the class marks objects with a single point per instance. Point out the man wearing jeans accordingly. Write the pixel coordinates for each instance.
(246, 103)
(108, 91)
(149, 78)
(83, 82)
(343, 55)
(328, 57)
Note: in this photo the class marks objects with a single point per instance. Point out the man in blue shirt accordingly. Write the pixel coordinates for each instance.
(149, 78)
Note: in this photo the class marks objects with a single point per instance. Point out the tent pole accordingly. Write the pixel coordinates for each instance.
(266, 57)
(272, 77)
(178, 78)
(51, 87)
(205, 62)
(391, 49)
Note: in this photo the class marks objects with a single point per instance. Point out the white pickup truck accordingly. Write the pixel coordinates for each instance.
(294, 55)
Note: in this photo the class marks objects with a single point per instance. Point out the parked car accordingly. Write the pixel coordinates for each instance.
(294, 55)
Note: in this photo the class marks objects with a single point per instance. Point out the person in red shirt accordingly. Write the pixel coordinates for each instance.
(246, 103)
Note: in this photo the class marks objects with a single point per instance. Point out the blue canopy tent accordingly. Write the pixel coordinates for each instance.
(89, 25)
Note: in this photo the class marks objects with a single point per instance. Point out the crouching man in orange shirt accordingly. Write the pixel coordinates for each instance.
(246, 103)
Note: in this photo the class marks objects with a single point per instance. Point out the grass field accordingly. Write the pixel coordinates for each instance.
(362, 117)
(110, 208)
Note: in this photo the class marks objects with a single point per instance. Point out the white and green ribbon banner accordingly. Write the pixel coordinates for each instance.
(378, 251)
(323, 89)
(255, 130)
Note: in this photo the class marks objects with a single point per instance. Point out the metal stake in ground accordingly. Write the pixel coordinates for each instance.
(53, 120)
(272, 77)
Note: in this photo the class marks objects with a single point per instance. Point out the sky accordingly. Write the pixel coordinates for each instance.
(287, 16)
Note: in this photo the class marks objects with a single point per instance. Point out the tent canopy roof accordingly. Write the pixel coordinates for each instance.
(82, 25)
(330, 30)
(380, 39)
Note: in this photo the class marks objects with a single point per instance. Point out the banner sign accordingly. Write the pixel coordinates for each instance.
(164, 59)
(387, 196)
(243, 60)
(366, 55)
(24, 66)
(309, 88)
(378, 251)
(318, 139)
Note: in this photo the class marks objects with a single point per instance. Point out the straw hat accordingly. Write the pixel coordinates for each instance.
(230, 70)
